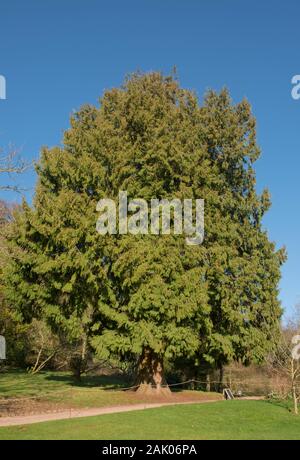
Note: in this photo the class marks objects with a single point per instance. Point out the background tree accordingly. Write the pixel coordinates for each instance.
(11, 327)
(44, 345)
(285, 361)
(243, 265)
(11, 164)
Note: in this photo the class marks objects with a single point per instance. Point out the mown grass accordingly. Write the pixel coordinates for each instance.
(59, 390)
(20, 383)
(219, 420)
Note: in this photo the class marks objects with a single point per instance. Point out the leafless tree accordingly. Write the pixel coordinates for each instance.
(286, 362)
(44, 345)
(12, 164)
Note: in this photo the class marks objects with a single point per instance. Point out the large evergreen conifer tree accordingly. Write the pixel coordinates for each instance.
(148, 296)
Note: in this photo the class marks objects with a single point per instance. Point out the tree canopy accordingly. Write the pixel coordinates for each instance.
(151, 296)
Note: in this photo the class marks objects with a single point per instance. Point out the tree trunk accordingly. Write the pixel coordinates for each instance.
(295, 399)
(221, 377)
(150, 376)
(207, 381)
(294, 388)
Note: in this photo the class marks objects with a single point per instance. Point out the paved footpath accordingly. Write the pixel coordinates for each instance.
(75, 413)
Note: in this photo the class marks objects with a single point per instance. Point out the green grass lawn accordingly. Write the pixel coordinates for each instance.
(58, 390)
(219, 420)
(20, 383)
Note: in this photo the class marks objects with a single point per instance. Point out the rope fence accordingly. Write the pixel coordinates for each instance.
(235, 383)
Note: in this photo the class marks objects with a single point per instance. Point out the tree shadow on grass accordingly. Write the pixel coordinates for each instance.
(91, 381)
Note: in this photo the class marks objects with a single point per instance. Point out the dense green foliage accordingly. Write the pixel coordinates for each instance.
(124, 294)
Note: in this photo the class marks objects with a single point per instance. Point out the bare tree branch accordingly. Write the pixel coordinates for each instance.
(281, 362)
(12, 163)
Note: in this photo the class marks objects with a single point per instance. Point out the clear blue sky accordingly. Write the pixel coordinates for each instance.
(58, 54)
